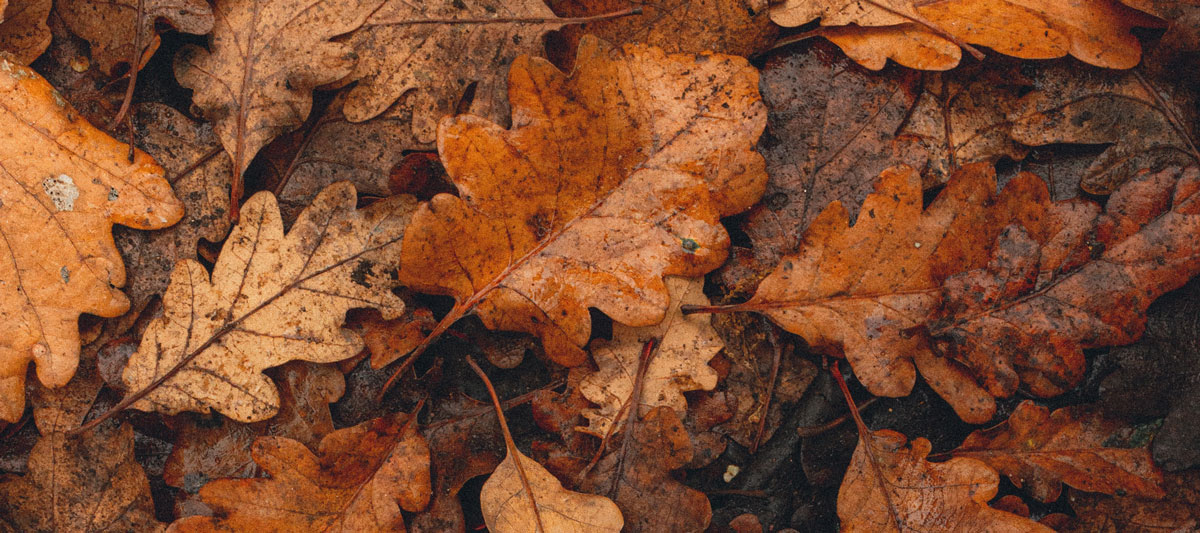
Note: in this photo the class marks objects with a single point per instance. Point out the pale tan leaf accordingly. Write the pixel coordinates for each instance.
(507, 509)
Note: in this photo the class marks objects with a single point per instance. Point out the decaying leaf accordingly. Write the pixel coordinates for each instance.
(359, 480)
(23, 29)
(679, 363)
(67, 184)
(80, 484)
(119, 30)
(507, 509)
(734, 27)
(272, 299)
(891, 487)
(210, 449)
(200, 174)
(1039, 451)
(438, 48)
(1178, 512)
(1183, 16)
(389, 340)
(466, 442)
(1146, 126)
(637, 476)
(925, 35)
(265, 57)
(611, 179)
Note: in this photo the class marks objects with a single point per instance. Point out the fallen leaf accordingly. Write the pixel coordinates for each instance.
(506, 507)
(265, 58)
(272, 299)
(734, 27)
(1094, 32)
(637, 475)
(23, 29)
(679, 363)
(1166, 357)
(359, 480)
(1145, 126)
(210, 449)
(612, 178)
(64, 408)
(465, 438)
(1183, 16)
(68, 184)
(200, 174)
(1039, 451)
(389, 340)
(891, 487)
(1178, 512)
(439, 48)
(120, 30)
(85, 483)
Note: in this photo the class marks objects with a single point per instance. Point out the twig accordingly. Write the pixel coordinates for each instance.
(625, 412)
(812, 431)
(134, 63)
(777, 355)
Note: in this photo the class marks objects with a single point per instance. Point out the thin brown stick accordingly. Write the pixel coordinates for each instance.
(508, 442)
(866, 436)
(776, 356)
(134, 63)
(634, 397)
(812, 431)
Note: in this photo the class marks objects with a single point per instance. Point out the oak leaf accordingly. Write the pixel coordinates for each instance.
(439, 48)
(359, 480)
(734, 27)
(23, 29)
(1039, 451)
(265, 57)
(80, 484)
(68, 183)
(507, 508)
(272, 299)
(611, 179)
(466, 442)
(1183, 17)
(926, 35)
(1179, 511)
(123, 30)
(684, 345)
(892, 487)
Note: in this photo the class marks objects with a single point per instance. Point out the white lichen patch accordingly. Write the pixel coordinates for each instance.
(62, 192)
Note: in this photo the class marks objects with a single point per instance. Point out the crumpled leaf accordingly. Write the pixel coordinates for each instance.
(438, 48)
(734, 27)
(272, 299)
(891, 487)
(207, 450)
(67, 184)
(114, 26)
(685, 344)
(23, 29)
(358, 480)
(77, 484)
(1039, 451)
(200, 174)
(638, 477)
(1146, 124)
(1094, 32)
(265, 57)
(612, 178)
(1179, 511)
(506, 507)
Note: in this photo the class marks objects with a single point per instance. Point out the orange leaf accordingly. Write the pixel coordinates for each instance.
(611, 179)
(891, 487)
(1039, 451)
(359, 480)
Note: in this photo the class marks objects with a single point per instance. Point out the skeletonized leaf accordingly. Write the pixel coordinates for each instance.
(507, 509)
(272, 299)
(66, 184)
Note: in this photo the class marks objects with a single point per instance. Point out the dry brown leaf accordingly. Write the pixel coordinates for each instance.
(679, 364)
(23, 30)
(389, 340)
(1179, 512)
(117, 29)
(1040, 451)
(438, 48)
(506, 507)
(80, 484)
(612, 178)
(205, 450)
(1148, 124)
(891, 487)
(734, 27)
(272, 299)
(926, 34)
(358, 480)
(265, 58)
(68, 183)
(200, 174)
(1183, 16)
(466, 442)
(637, 475)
